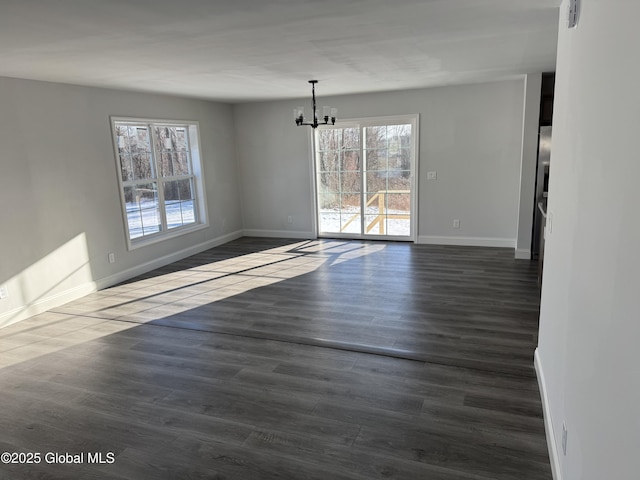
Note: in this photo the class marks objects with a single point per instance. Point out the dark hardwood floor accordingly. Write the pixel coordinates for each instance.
(280, 359)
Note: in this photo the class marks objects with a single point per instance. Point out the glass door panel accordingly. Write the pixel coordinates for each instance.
(388, 170)
(350, 221)
(339, 181)
(364, 180)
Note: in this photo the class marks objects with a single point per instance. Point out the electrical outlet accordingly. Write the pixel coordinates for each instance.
(289, 219)
(224, 222)
(456, 223)
(112, 258)
(564, 438)
(432, 175)
(4, 292)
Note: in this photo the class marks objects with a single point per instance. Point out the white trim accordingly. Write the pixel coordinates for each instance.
(361, 124)
(166, 260)
(415, 184)
(554, 457)
(528, 158)
(160, 121)
(375, 121)
(349, 236)
(254, 232)
(523, 253)
(468, 241)
(313, 192)
(166, 235)
(46, 303)
(53, 301)
(196, 176)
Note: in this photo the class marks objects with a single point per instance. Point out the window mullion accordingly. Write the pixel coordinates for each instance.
(159, 180)
(177, 177)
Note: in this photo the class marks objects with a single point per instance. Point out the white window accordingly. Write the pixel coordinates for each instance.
(160, 177)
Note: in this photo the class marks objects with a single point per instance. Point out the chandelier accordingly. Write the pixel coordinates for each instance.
(328, 113)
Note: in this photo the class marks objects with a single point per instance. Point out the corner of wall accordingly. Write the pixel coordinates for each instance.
(554, 457)
(528, 158)
(237, 160)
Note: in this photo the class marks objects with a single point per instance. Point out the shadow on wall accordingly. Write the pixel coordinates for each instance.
(65, 272)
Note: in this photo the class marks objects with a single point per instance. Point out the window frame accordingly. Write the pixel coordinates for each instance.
(196, 177)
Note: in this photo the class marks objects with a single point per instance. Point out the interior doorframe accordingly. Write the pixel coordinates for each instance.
(363, 122)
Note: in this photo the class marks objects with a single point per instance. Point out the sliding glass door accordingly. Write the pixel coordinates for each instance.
(364, 178)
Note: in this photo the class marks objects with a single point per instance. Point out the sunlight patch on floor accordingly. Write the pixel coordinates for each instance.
(154, 298)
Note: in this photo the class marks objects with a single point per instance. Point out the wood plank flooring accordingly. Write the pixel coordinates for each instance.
(281, 359)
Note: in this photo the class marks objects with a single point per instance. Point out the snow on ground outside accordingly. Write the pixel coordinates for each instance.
(144, 219)
(331, 221)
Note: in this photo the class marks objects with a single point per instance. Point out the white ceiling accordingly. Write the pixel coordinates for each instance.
(244, 50)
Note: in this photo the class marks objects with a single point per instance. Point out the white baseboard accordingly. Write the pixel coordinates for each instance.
(523, 254)
(468, 241)
(166, 260)
(279, 234)
(554, 457)
(53, 301)
(46, 303)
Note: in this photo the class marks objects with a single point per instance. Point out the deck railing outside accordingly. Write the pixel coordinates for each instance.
(380, 197)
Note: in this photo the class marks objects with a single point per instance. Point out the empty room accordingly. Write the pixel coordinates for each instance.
(348, 239)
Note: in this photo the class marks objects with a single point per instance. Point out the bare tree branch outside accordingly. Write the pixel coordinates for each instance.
(379, 165)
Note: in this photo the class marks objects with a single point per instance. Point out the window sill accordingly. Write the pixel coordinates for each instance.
(161, 237)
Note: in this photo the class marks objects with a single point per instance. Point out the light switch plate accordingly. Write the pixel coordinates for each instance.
(432, 175)
(4, 292)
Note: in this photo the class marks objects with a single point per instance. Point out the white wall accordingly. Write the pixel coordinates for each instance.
(60, 210)
(587, 356)
(471, 135)
(529, 163)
